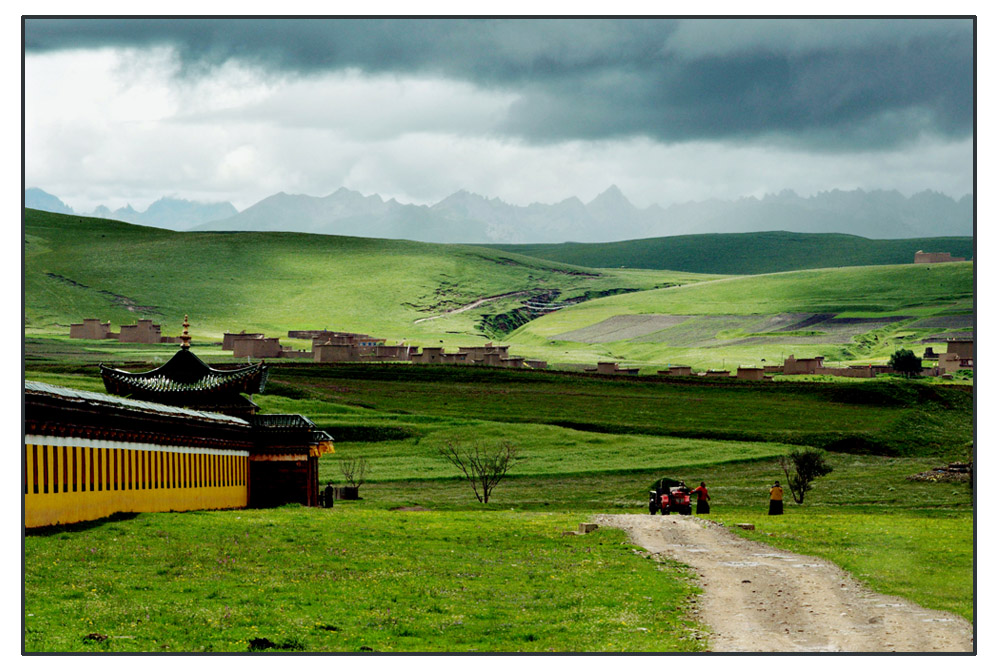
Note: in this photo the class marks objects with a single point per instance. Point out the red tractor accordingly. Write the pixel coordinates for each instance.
(670, 495)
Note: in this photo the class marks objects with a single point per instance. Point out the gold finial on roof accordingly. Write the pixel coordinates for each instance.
(185, 337)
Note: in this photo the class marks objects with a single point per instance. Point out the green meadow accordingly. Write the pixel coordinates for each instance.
(454, 295)
(350, 580)
(730, 317)
(417, 564)
(79, 268)
(744, 252)
(369, 574)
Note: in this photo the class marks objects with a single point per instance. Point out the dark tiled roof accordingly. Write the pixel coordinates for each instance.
(185, 378)
(283, 423)
(100, 400)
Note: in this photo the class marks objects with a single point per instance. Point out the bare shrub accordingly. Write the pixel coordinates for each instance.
(483, 465)
(354, 470)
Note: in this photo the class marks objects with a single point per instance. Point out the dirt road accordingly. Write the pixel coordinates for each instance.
(761, 599)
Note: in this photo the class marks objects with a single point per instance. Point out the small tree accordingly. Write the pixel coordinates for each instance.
(801, 469)
(906, 362)
(354, 470)
(483, 466)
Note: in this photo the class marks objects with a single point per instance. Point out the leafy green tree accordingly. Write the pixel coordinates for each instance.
(801, 469)
(906, 362)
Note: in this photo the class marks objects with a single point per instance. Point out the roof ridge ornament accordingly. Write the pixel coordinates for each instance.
(185, 337)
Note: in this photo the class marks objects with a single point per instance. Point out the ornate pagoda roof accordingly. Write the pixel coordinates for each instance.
(185, 380)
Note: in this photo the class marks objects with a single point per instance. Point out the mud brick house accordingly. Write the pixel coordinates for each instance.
(179, 437)
(676, 370)
(339, 352)
(90, 328)
(256, 347)
(329, 352)
(435, 355)
(310, 334)
(923, 258)
(613, 368)
(481, 353)
(803, 366)
(344, 338)
(750, 373)
(228, 338)
(963, 348)
(145, 331)
(858, 371)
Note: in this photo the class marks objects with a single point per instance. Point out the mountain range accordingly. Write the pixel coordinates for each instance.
(167, 212)
(465, 217)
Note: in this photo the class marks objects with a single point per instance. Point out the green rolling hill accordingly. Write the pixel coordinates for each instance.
(269, 282)
(452, 295)
(846, 314)
(744, 253)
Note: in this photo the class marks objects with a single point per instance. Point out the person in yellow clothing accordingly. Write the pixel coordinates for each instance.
(777, 495)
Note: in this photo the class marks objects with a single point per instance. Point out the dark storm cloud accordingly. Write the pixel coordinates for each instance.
(838, 84)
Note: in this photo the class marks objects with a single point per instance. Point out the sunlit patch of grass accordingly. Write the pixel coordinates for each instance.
(347, 579)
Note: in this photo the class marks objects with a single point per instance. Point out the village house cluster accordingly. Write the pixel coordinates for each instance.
(328, 346)
(325, 346)
(144, 331)
(958, 356)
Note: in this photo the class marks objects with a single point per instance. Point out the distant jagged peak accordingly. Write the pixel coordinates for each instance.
(611, 197)
(36, 198)
(345, 194)
(463, 197)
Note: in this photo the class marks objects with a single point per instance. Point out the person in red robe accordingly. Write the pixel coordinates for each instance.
(702, 493)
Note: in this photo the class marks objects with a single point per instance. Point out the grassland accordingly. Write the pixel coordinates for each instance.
(350, 580)
(746, 320)
(463, 576)
(744, 253)
(274, 282)
(366, 575)
(407, 291)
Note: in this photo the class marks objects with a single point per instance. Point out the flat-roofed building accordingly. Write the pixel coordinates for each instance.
(144, 331)
(922, 258)
(263, 347)
(229, 337)
(90, 328)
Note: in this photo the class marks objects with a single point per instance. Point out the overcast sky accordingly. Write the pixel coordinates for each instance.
(127, 111)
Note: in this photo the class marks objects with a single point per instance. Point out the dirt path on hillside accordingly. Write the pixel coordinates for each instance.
(762, 599)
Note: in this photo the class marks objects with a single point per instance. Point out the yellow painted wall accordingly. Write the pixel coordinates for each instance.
(68, 484)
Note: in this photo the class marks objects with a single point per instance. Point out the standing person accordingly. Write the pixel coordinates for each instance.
(702, 492)
(777, 495)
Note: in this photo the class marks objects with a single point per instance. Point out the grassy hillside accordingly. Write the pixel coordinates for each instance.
(79, 267)
(847, 314)
(432, 294)
(744, 253)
